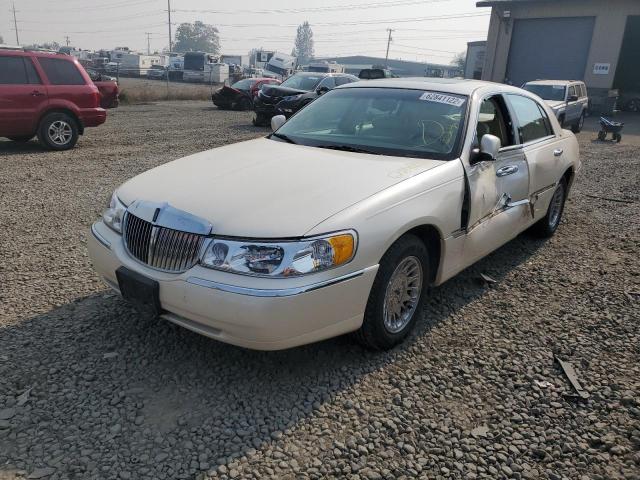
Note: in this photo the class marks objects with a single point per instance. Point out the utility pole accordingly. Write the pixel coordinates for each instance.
(148, 43)
(169, 12)
(67, 39)
(15, 22)
(386, 58)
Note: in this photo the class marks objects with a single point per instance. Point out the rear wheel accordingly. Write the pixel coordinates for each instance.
(397, 296)
(633, 105)
(259, 120)
(548, 225)
(58, 131)
(23, 139)
(577, 127)
(617, 137)
(602, 136)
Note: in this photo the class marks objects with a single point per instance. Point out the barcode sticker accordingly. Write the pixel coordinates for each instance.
(440, 98)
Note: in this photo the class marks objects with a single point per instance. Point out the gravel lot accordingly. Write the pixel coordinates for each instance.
(90, 388)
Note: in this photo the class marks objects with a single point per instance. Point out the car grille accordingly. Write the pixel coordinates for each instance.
(160, 247)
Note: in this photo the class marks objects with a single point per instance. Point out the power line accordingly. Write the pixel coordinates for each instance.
(169, 23)
(323, 9)
(148, 34)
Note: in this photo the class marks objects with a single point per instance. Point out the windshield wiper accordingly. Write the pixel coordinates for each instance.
(348, 148)
(282, 136)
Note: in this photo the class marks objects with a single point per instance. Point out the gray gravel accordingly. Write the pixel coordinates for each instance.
(90, 388)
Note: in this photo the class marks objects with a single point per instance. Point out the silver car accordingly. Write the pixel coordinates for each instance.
(567, 98)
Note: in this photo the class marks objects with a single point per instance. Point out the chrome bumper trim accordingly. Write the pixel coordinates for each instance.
(279, 292)
(106, 243)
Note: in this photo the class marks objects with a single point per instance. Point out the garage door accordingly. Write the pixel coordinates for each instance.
(549, 48)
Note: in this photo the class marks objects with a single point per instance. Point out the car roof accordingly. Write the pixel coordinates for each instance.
(553, 82)
(15, 52)
(323, 74)
(457, 86)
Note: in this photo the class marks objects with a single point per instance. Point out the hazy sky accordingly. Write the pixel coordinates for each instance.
(348, 27)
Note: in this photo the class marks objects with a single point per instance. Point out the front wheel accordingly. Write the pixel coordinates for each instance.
(397, 296)
(548, 225)
(259, 120)
(577, 127)
(58, 131)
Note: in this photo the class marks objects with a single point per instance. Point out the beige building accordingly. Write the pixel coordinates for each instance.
(597, 41)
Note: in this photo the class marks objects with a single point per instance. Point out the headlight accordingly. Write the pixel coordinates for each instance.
(292, 98)
(280, 259)
(114, 215)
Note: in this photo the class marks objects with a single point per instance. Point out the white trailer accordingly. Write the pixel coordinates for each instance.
(136, 65)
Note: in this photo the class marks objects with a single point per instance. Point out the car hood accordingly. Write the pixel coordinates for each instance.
(278, 91)
(269, 189)
(555, 103)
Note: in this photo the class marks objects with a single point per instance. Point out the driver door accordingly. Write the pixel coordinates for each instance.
(499, 189)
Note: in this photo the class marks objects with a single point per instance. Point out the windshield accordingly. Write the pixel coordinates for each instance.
(302, 82)
(547, 92)
(244, 84)
(389, 121)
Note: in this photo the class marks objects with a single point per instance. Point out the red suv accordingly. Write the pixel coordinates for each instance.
(48, 95)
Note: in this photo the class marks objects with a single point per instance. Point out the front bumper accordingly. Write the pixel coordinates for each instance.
(245, 313)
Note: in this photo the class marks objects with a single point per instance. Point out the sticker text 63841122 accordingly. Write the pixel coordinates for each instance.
(442, 98)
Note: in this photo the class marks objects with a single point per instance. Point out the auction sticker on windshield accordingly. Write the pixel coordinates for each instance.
(440, 98)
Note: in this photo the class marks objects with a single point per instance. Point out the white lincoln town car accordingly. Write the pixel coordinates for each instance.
(342, 218)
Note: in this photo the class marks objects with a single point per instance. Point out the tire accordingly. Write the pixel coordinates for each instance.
(404, 265)
(259, 120)
(602, 136)
(58, 131)
(23, 139)
(547, 226)
(577, 127)
(617, 137)
(633, 105)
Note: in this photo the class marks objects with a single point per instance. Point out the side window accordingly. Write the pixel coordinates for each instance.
(493, 119)
(532, 121)
(328, 82)
(583, 88)
(12, 71)
(32, 74)
(61, 72)
(342, 81)
(572, 91)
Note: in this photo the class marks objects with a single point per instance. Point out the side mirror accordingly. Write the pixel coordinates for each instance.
(572, 98)
(322, 90)
(489, 148)
(277, 122)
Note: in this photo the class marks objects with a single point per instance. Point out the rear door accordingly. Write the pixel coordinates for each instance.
(23, 97)
(67, 84)
(542, 149)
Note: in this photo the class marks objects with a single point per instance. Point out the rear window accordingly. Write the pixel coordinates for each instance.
(17, 71)
(61, 72)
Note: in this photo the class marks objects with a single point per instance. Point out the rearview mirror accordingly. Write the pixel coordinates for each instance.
(277, 122)
(489, 147)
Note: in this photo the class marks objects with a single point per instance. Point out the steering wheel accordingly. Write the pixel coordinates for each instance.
(430, 132)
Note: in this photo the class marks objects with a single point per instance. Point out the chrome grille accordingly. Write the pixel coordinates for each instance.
(160, 247)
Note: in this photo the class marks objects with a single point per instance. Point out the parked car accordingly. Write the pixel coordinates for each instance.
(157, 72)
(294, 93)
(108, 87)
(49, 95)
(341, 219)
(630, 101)
(567, 98)
(241, 94)
(376, 73)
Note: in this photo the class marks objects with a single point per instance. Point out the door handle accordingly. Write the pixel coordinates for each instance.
(36, 93)
(507, 170)
(557, 152)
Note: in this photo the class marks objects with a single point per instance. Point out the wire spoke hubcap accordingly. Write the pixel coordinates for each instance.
(60, 132)
(402, 294)
(555, 209)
